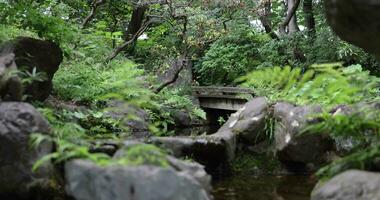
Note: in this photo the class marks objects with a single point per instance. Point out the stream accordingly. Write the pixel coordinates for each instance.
(249, 187)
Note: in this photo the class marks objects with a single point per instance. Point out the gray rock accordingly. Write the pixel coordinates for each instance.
(350, 185)
(87, 181)
(356, 21)
(213, 151)
(292, 148)
(32, 53)
(193, 169)
(182, 119)
(136, 119)
(249, 121)
(17, 122)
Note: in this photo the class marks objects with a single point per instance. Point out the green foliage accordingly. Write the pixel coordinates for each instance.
(143, 154)
(119, 79)
(229, 57)
(362, 128)
(327, 84)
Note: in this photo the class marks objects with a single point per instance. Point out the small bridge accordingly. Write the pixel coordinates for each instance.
(223, 98)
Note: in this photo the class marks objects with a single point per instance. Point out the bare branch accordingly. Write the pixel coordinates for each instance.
(94, 6)
(289, 16)
(178, 65)
(133, 38)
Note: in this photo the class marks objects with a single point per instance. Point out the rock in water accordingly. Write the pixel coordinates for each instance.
(299, 152)
(249, 122)
(17, 122)
(356, 21)
(87, 181)
(350, 185)
(30, 54)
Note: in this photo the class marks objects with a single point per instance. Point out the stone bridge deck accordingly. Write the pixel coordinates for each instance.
(223, 98)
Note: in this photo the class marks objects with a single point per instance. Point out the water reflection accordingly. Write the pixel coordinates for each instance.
(246, 187)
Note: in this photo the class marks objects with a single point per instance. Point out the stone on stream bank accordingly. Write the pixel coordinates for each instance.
(33, 54)
(17, 122)
(180, 179)
(349, 185)
(356, 21)
(306, 152)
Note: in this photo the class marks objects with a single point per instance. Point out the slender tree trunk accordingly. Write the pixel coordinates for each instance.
(309, 17)
(265, 19)
(293, 25)
(290, 20)
(135, 24)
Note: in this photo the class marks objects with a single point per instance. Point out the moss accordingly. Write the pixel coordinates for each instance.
(143, 154)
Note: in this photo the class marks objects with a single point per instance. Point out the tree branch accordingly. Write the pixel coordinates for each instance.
(289, 16)
(179, 65)
(133, 38)
(94, 7)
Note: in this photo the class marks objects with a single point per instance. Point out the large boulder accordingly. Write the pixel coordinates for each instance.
(356, 21)
(350, 185)
(214, 151)
(300, 152)
(30, 54)
(249, 122)
(17, 122)
(87, 181)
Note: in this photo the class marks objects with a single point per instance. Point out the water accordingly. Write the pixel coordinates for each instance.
(249, 187)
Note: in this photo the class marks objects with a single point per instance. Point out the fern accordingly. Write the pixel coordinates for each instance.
(327, 84)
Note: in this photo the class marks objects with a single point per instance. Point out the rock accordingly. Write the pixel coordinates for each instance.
(249, 121)
(182, 119)
(305, 152)
(17, 122)
(10, 85)
(214, 151)
(136, 119)
(30, 53)
(87, 181)
(192, 169)
(356, 21)
(349, 185)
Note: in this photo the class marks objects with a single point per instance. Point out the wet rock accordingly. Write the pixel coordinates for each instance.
(192, 169)
(356, 21)
(182, 119)
(349, 185)
(17, 122)
(136, 119)
(249, 121)
(30, 54)
(299, 152)
(87, 181)
(214, 151)
(10, 85)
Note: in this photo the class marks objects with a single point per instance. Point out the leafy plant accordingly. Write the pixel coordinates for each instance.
(361, 127)
(327, 84)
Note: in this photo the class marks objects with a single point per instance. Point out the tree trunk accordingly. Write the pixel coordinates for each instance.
(134, 25)
(309, 17)
(293, 25)
(265, 15)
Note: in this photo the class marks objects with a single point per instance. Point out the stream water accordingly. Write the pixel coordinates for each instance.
(249, 187)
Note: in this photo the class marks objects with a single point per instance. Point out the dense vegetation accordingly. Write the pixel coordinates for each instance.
(124, 49)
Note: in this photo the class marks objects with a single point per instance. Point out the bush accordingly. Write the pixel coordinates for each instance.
(230, 57)
(328, 84)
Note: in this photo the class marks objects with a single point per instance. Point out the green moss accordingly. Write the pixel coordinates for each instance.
(143, 154)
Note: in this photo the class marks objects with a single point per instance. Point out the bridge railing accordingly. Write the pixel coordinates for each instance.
(222, 92)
